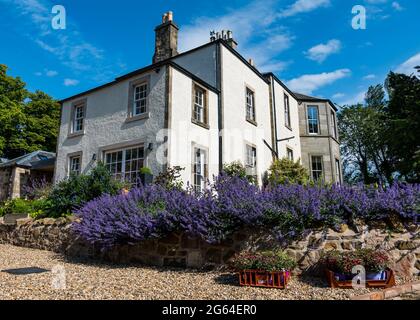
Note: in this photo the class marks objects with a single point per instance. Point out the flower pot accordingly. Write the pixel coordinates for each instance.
(384, 279)
(266, 279)
(376, 275)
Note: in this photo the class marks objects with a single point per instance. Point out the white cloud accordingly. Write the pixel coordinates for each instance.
(408, 67)
(309, 83)
(396, 5)
(301, 6)
(322, 51)
(338, 95)
(369, 77)
(51, 73)
(71, 82)
(255, 27)
(356, 99)
(376, 1)
(47, 73)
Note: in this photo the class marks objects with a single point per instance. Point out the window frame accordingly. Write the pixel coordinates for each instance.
(287, 117)
(205, 107)
(73, 113)
(70, 157)
(140, 99)
(316, 107)
(322, 175)
(251, 168)
(253, 107)
(334, 124)
(123, 173)
(338, 173)
(145, 80)
(288, 152)
(203, 168)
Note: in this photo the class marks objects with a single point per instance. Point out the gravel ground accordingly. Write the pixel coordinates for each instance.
(89, 280)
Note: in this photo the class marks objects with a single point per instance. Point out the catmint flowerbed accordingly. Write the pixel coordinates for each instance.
(232, 203)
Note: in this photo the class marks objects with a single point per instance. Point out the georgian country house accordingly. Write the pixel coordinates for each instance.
(198, 110)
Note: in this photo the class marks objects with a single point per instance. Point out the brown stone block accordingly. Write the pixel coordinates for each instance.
(214, 255)
(188, 242)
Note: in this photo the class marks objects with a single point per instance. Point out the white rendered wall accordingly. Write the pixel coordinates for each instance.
(237, 131)
(184, 134)
(283, 131)
(105, 123)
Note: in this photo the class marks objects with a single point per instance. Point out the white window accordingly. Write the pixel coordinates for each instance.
(199, 105)
(333, 125)
(125, 164)
(250, 105)
(290, 154)
(287, 111)
(251, 157)
(317, 167)
(140, 99)
(313, 125)
(200, 169)
(78, 118)
(74, 165)
(337, 171)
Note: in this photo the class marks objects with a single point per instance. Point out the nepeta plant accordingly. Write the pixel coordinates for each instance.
(232, 203)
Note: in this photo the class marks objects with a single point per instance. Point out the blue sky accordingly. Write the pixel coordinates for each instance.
(309, 44)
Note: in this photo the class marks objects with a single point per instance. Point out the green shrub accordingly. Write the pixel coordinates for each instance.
(22, 206)
(16, 206)
(237, 169)
(170, 178)
(75, 191)
(286, 171)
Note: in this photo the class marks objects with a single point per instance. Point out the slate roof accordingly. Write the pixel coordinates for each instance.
(31, 160)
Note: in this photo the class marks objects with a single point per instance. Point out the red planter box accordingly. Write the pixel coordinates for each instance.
(265, 279)
(347, 284)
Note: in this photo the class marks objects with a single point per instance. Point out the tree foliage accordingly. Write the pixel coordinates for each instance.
(29, 121)
(381, 139)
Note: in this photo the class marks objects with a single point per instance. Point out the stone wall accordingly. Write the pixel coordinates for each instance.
(180, 250)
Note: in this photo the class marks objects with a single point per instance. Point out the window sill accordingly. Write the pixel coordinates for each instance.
(253, 122)
(76, 134)
(201, 124)
(138, 117)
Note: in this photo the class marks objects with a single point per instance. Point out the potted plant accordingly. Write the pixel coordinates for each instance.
(339, 267)
(270, 269)
(146, 175)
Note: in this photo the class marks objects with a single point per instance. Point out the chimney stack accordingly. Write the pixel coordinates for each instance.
(166, 42)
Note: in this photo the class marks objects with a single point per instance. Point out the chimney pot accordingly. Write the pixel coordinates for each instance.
(251, 62)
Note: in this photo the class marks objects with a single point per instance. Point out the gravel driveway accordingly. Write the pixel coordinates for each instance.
(103, 281)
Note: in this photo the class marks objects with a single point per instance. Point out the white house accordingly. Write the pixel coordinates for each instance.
(197, 109)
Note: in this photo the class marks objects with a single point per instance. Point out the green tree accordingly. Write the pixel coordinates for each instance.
(363, 144)
(404, 123)
(29, 121)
